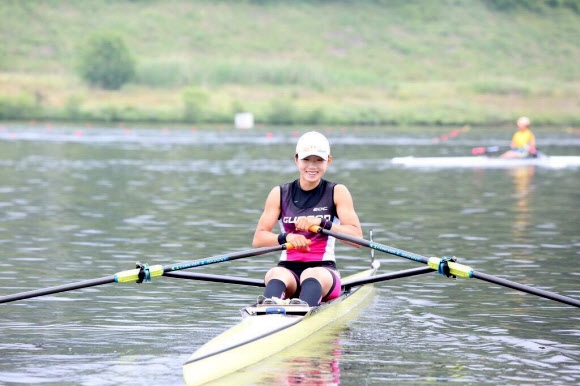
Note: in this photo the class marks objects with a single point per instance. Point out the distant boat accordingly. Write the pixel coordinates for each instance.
(554, 162)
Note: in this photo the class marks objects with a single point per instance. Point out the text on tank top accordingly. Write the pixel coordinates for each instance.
(318, 202)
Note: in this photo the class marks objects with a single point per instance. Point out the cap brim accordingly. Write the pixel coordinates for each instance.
(324, 156)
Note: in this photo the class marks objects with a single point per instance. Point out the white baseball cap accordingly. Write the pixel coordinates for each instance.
(524, 121)
(313, 143)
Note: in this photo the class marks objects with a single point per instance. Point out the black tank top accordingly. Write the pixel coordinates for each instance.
(318, 202)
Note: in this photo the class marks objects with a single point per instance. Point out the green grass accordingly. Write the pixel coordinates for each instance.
(336, 62)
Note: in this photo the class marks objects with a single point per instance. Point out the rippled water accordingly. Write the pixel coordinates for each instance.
(81, 203)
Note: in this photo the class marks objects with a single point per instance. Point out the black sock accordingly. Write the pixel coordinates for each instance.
(275, 288)
(311, 291)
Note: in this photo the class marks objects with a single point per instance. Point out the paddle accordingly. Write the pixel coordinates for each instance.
(449, 267)
(143, 273)
(260, 282)
(217, 278)
(484, 150)
(496, 149)
(387, 276)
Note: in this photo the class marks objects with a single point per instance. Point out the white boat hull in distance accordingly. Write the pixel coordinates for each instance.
(554, 162)
(260, 335)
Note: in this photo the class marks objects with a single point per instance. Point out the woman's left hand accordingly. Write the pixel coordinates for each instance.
(304, 223)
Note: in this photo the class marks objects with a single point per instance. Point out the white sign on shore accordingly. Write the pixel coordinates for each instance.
(244, 121)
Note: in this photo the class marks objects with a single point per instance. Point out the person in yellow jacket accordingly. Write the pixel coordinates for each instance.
(523, 141)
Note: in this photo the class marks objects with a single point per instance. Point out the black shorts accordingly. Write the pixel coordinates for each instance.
(297, 267)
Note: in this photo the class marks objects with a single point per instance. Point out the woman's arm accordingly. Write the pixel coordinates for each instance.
(349, 222)
(264, 237)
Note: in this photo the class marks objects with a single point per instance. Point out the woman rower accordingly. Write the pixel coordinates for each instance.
(523, 144)
(309, 269)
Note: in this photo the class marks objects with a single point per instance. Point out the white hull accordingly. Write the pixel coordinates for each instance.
(555, 162)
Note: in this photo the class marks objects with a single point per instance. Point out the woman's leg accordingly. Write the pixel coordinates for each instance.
(280, 283)
(315, 283)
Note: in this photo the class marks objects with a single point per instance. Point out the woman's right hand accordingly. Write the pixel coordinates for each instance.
(298, 241)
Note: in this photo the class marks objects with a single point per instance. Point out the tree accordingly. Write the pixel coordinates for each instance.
(106, 62)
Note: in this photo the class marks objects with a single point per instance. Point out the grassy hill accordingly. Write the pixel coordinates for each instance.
(306, 62)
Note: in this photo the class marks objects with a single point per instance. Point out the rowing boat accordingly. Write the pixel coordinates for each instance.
(268, 329)
(317, 360)
(555, 162)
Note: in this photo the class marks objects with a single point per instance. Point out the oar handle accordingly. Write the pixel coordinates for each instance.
(289, 246)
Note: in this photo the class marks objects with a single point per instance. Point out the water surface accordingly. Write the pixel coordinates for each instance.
(80, 203)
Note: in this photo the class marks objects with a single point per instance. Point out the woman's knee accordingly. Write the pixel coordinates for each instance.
(284, 275)
(277, 273)
(318, 273)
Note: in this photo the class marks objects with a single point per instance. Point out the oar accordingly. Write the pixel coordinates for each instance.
(496, 149)
(143, 273)
(217, 278)
(449, 267)
(484, 150)
(387, 276)
(260, 282)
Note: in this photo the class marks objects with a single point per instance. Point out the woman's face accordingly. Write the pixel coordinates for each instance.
(312, 168)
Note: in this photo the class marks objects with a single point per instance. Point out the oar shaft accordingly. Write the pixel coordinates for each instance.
(372, 245)
(132, 275)
(57, 289)
(216, 278)
(226, 257)
(388, 276)
(524, 288)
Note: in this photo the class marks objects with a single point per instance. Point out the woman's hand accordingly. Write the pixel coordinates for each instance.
(304, 223)
(298, 241)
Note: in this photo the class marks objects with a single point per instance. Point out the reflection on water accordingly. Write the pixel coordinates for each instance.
(314, 361)
(84, 205)
(522, 181)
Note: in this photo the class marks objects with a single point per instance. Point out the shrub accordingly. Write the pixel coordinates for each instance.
(22, 106)
(106, 62)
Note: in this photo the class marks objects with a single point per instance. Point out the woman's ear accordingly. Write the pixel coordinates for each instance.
(329, 159)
